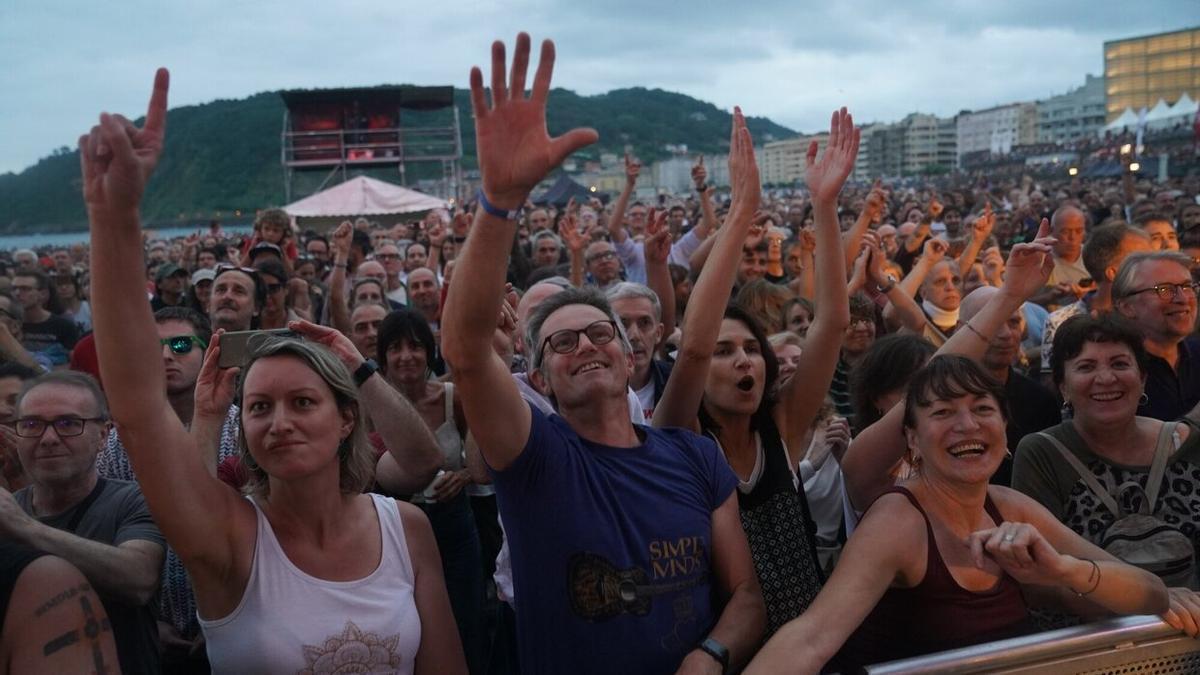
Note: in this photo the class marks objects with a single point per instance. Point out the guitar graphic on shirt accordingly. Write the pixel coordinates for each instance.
(600, 590)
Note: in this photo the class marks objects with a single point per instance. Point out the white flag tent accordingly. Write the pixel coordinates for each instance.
(1127, 120)
(1183, 110)
(362, 196)
(1158, 115)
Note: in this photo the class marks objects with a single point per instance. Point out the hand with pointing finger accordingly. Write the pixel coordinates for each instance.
(117, 157)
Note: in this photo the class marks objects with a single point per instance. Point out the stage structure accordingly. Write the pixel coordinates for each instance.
(327, 133)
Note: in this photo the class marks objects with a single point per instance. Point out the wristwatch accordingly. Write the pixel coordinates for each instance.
(365, 371)
(890, 285)
(717, 651)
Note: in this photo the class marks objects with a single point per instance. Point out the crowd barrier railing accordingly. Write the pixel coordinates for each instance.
(1133, 644)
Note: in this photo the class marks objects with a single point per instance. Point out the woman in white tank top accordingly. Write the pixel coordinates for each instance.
(306, 574)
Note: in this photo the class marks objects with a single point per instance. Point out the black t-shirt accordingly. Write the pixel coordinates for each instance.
(1031, 408)
(117, 514)
(14, 558)
(38, 337)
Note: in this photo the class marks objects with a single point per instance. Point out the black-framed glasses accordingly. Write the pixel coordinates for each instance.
(182, 344)
(567, 340)
(66, 426)
(1167, 291)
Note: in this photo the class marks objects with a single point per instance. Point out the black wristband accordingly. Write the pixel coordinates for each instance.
(701, 188)
(716, 650)
(365, 371)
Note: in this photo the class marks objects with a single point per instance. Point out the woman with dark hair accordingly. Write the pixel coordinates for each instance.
(406, 354)
(70, 298)
(945, 560)
(1129, 464)
(724, 385)
(356, 577)
(879, 380)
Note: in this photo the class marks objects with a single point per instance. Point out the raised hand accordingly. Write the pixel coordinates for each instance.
(461, 224)
(117, 158)
(876, 201)
(658, 237)
(699, 173)
(826, 177)
(935, 250)
(341, 239)
(575, 239)
(984, 223)
(632, 169)
(808, 239)
(215, 386)
(1029, 265)
(993, 266)
(332, 339)
(514, 148)
(935, 208)
(743, 169)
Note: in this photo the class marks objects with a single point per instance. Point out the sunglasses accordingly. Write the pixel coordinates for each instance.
(182, 344)
(567, 341)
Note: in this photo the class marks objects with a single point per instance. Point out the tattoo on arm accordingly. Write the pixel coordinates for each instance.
(93, 626)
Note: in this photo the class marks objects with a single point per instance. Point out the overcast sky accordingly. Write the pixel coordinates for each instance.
(793, 61)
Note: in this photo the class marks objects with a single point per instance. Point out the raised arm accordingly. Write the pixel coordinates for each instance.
(872, 211)
(193, 509)
(658, 275)
(616, 224)
(801, 398)
(339, 312)
(515, 152)
(867, 464)
(702, 322)
(979, 233)
(576, 242)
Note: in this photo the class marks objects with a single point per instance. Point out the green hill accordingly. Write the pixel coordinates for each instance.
(224, 155)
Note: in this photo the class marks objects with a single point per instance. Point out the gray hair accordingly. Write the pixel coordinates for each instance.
(588, 295)
(1123, 282)
(355, 458)
(69, 378)
(25, 252)
(546, 234)
(628, 290)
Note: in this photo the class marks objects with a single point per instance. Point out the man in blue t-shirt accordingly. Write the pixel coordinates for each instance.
(627, 549)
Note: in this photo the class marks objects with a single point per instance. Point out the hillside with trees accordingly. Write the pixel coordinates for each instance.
(223, 156)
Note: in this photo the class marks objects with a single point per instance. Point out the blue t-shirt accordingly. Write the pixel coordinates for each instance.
(611, 548)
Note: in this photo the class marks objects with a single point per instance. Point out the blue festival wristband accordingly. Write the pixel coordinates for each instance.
(495, 210)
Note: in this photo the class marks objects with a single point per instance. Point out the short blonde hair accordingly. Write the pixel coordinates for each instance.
(355, 460)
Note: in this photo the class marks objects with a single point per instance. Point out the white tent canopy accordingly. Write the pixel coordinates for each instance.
(362, 196)
(1127, 120)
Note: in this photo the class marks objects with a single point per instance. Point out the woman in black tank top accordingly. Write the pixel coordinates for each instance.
(944, 560)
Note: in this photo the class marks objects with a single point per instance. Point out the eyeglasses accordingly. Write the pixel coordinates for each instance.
(34, 427)
(606, 255)
(226, 267)
(182, 344)
(567, 340)
(1168, 291)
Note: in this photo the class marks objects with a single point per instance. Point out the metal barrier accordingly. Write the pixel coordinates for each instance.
(1134, 644)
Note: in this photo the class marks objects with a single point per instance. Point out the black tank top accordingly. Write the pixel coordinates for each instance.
(781, 534)
(936, 614)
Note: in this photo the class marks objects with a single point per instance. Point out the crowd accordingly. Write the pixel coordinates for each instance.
(778, 431)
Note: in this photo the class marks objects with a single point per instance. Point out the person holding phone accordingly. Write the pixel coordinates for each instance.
(346, 569)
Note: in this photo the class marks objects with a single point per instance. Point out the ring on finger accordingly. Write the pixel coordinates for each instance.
(1009, 537)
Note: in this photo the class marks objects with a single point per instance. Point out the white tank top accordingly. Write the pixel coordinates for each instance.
(291, 622)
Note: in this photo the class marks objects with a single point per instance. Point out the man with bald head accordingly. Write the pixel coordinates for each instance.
(1067, 226)
(1031, 407)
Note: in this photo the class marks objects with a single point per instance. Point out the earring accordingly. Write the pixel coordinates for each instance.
(1143, 399)
(1068, 411)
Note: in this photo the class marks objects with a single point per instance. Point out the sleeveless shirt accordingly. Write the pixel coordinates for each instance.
(781, 534)
(291, 622)
(450, 441)
(937, 614)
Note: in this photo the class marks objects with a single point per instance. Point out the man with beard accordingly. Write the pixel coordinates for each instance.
(1031, 407)
(237, 297)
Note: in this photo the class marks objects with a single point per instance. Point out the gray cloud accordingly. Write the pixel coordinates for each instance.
(65, 61)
